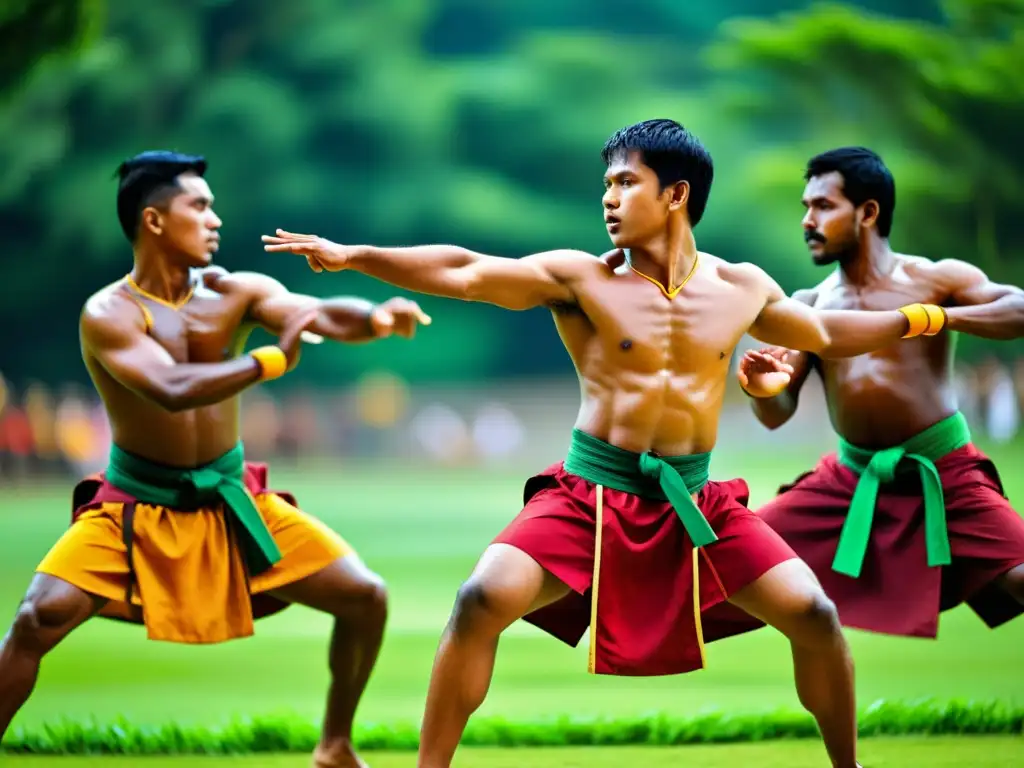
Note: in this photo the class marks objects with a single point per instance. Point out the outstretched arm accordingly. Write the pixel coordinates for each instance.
(980, 307)
(345, 318)
(833, 333)
(115, 337)
(539, 280)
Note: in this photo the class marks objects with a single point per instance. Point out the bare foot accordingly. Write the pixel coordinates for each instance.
(339, 754)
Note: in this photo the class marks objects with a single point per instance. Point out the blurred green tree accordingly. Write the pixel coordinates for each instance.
(35, 31)
(941, 101)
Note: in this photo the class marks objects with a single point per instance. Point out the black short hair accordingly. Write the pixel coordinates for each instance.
(673, 153)
(865, 177)
(150, 178)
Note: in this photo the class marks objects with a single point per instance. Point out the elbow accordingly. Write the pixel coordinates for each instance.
(465, 284)
(171, 401)
(772, 421)
(172, 397)
(773, 412)
(822, 342)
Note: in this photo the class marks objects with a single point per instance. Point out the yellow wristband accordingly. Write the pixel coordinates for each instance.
(272, 362)
(936, 319)
(924, 319)
(917, 317)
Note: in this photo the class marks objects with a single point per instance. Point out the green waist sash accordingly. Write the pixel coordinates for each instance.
(220, 481)
(878, 467)
(666, 478)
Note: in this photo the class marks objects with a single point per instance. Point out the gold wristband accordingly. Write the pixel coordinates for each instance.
(936, 319)
(923, 319)
(272, 361)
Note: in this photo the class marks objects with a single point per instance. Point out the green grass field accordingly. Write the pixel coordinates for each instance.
(422, 530)
(939, 752)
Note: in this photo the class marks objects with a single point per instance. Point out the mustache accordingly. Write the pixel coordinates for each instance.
(812, 236)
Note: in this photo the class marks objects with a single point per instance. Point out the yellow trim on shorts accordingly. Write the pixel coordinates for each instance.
(599, 514)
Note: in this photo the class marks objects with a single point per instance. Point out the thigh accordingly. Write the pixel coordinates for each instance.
(513, 579)
(333, 588)
(1013, 583)
(308, 548)
(91, 555)
(50, 610)
(505, 585)
(783, 596)
(747, 549)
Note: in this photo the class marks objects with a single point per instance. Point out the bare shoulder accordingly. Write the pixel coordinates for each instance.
(810, 296)
(254, 285)
(745, 275)
(109, 314)
(568, 264)
(948, 275)
(943, 270)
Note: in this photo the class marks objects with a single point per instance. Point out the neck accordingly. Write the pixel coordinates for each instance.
(872, 260)
(155, 275)
(669, 258)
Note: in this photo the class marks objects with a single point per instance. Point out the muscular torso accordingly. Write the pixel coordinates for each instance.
(210, 327)
(881, 399)
(653, 370)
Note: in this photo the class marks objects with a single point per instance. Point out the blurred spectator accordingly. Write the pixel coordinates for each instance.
(16, 447)
(376, 418)
(497, 432)
(260, 426)
(1001, 409)
(76, 435)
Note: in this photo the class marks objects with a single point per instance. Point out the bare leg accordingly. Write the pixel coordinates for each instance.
(1013, 582)
(50, 610)
(357, 598)
(789, 598)
(506, 585)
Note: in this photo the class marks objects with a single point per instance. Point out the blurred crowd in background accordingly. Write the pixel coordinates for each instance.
(62, 430)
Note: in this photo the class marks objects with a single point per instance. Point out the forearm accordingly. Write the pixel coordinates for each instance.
(194, 385)
(345, 319)
(848, 333)
(1002, 319)
(429, 269)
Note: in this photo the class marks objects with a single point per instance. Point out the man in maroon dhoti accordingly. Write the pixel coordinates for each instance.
(908, 518)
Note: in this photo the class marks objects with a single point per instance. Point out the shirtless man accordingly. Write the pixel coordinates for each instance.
(180, 533)
(909, 518)
(628, 536)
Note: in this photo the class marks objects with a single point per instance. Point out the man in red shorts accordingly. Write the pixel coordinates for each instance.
(628, 536)
(909, 518)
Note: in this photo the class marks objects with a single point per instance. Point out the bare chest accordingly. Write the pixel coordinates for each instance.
(205, 330)
(891, 295)
(916, 355)
(646, 331)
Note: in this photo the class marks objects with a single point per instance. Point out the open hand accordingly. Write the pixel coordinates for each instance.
(321, 254)
(399, 317)
(765, 372)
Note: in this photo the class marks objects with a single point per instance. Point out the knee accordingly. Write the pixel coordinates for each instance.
(476, 604)
(818, 622)
(371, 597)
(36, 623)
